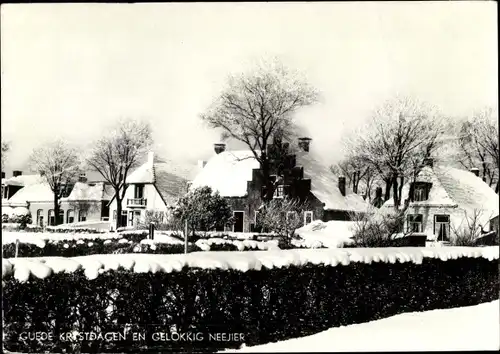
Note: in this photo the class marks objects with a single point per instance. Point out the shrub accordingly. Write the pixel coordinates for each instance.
(203, 210)
(264, 305)
(379, 228)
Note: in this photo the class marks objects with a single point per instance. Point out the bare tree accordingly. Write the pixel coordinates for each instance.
(360, 176)
(259, 106)
(117, 153)
(5, 150)
(59, 164)
(478, 145)
(470, 230)
(282, 216)
(401, 135)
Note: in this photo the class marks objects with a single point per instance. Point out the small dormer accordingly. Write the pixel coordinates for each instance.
(419, 191)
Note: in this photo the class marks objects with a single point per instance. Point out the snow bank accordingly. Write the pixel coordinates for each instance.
(458, 329)
(331, 234)
(243, 261)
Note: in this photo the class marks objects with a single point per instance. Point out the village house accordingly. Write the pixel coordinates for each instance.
(154, 186)
(237, 176)
(444, 200)
(84, 201)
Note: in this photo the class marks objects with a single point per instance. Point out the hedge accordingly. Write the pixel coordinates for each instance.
(82, 247)
(270, 304)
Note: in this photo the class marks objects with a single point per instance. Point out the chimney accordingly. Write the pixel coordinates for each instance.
(219, 147)
(3, 174)
(17, 173)
(342, 185)
(151, 158)
(304, 143)
(475, 171)
(429, 162)
(82, 178)
(201, 163)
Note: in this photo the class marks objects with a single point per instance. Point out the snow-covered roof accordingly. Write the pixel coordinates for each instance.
(145, 173)
(169, 178)
(23, 180)
(453, 187)
(324, 185)
(35, 192)
(438, 195)
(41, 192)
(85, 191)
(229, 172)
(169, 185)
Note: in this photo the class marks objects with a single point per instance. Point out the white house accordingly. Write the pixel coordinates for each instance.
(154, 186)
(85, 201)
(444, 199)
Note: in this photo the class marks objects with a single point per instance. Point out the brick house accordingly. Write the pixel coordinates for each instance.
(301, 174)
(443, 198)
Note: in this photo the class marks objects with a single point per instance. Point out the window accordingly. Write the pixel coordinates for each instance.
(131, 218)
(442, 227)
(137, 216)
(279, 192)
(421, 192)
(308, 217)
(82, 215)
(52, 220)
(39, 217)
(139, 191)
(70, 216)
(415, 223)
(291, 215)
(60, 217)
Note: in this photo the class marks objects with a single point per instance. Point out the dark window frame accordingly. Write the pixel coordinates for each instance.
(447, 225)
(414, 219)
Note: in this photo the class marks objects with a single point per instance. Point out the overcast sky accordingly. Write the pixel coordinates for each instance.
(72, 69)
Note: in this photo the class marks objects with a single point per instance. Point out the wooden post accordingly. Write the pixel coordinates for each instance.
(186, 238)
(151, 231)
(17, 248)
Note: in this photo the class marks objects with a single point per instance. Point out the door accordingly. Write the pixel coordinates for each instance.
(123, 221)
(238, 221)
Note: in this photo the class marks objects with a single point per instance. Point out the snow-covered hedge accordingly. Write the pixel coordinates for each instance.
(207, 244)
(163, 244)
(65, 228)
(265, 296)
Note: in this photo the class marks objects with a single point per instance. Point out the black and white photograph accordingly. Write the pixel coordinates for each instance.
(250, 177)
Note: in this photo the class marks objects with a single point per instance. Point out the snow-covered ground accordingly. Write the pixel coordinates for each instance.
(331, 234)
(465, 328)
